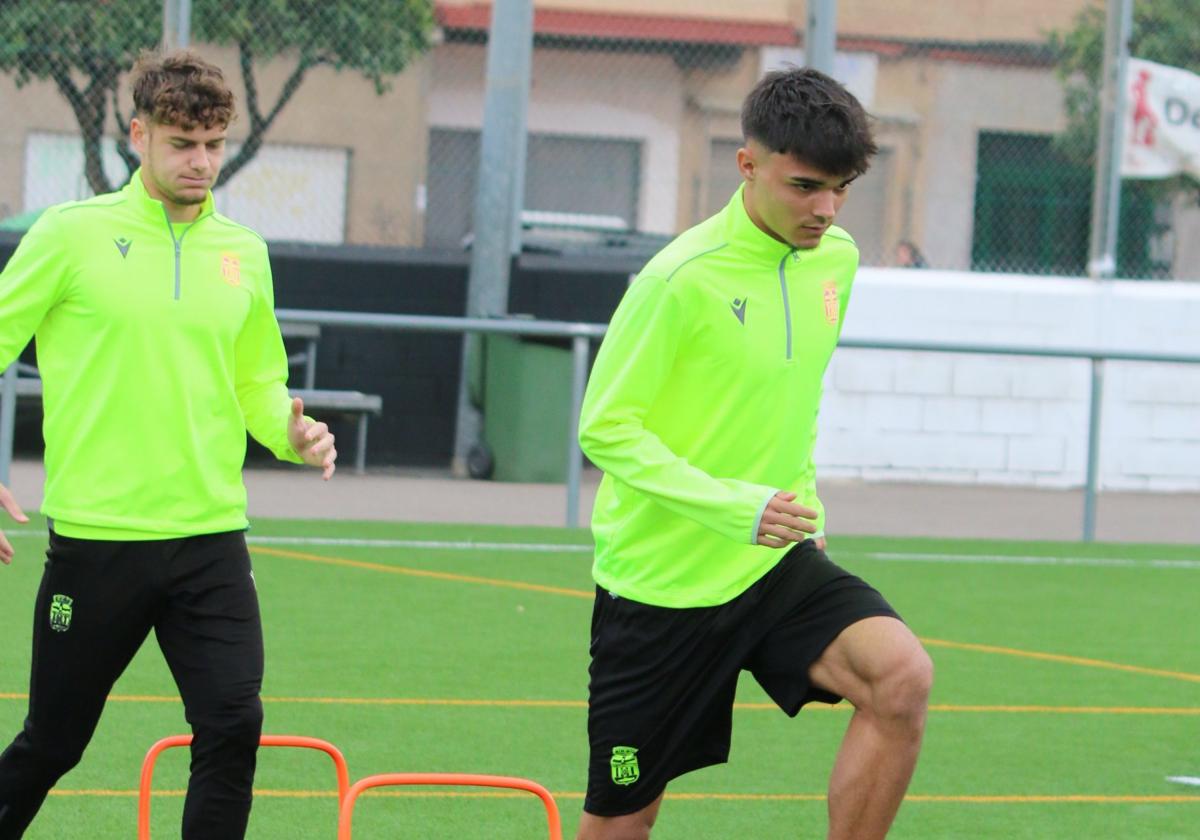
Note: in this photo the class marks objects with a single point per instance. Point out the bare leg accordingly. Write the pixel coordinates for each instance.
(879, 666)
(635, 826)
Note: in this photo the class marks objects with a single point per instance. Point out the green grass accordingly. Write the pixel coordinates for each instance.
(1118, 698)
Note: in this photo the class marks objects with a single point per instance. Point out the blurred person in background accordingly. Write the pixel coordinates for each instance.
(908, 255)
(710, 538)
(158, 349)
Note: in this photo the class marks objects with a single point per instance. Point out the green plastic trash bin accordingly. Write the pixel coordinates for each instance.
(526, 401)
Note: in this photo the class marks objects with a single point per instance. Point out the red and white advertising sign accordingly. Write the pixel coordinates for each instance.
(1162, 121)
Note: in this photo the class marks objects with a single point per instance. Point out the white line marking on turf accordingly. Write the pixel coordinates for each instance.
(894, 556)
(1017, 560)
(884, 556)
(1185, 780)
(354, 542)
(435, 545)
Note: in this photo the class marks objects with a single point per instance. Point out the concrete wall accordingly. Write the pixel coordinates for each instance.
(959, 20)
(976, 419)
(586, 94)
(930, 112)
(954, 20)
(757, 11)
(35, 107)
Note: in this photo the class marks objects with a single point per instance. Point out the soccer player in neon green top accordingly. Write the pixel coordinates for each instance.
(158, 349)
(701, 411)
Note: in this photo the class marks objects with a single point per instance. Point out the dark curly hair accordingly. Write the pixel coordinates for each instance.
(181, 89)
(804, 113)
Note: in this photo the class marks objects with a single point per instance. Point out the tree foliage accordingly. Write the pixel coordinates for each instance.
(86, 46)
(1164, 31)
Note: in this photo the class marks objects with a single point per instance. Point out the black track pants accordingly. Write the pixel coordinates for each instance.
(97, 602)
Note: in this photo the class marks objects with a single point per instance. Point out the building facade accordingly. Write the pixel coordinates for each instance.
(633, 123)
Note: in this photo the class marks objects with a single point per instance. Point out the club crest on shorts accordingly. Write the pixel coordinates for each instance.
(624, 765)
(60, 613)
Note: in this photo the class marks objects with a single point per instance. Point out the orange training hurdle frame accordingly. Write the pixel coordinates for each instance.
(464, 779)
(339, 764)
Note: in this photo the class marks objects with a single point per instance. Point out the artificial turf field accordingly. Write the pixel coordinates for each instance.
(1067, 690)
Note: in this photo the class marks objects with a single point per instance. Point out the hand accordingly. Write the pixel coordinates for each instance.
(785, 522)
(311, 440)
(14, 510)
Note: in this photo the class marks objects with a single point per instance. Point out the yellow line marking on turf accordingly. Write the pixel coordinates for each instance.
(404, 570)
(579, 593)
(1098, 799)
(1058, 657)
(1003, 709)
(1000, 799)
(435, 701)
(944, 798)
(1068, 710)
(582, 704)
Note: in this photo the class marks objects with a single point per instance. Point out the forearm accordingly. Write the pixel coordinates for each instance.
(266, 408)
(638, 459)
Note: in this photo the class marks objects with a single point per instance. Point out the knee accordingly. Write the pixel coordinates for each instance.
(55, 761)
(641, 826)
(626, 831)
(240, 724)
(902, 692)
(629, 827)
(44, 759)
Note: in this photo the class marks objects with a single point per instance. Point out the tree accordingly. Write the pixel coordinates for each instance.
(1164, 31)
(85, 47)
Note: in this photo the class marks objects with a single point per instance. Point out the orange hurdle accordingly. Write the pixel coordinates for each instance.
(466, 779)
(339, 766)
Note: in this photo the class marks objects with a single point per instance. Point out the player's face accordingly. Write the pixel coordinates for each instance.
(787, 198)
(179, 166)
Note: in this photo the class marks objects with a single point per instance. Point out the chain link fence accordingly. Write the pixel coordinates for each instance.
(614, 154)
(361, 119)
(987, 127)
(312, 80)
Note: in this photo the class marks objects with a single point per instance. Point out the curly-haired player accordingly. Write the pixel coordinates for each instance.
(158, 349)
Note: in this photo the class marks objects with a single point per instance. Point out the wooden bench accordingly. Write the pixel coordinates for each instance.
(344, 402)
(337, 402)
(315, 400)
(311, 333)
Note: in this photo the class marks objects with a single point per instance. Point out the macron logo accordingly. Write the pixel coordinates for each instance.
(123, 245)
(739, 309)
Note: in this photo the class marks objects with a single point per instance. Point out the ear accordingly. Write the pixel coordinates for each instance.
(138, 134)
(746, 163)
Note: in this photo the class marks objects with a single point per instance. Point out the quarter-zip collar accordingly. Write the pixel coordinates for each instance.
(749, 237)
(155, 211)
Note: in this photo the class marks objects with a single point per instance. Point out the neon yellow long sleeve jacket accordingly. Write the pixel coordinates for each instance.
(158, 349)
(702, 404)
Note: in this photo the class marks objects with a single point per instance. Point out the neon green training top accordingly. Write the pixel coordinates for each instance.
(158, 348)
(702, 404)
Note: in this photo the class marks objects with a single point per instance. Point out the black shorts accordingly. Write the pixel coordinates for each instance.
(663, 679)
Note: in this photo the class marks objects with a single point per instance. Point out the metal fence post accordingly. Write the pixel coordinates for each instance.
(1106, 189)
(495, 231)
(579, 348)
(820, 35)
(1093, 457)
(177, 24)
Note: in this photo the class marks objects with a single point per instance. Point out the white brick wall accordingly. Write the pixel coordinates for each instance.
(1014, 420)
